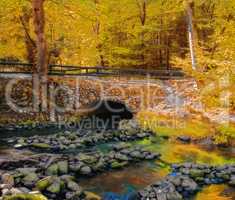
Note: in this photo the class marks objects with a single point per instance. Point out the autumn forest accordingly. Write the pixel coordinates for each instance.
(117, 99)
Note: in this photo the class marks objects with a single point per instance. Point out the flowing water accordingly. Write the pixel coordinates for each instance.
(120, 183)
(138, 176)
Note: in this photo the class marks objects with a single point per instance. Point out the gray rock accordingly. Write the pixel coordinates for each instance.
(152, 156)
(6, 192)
(185, 139)
(195, 173)
(24, 190)
(85, 170)
(52, 169)
(128, 125)
(30, 179)
(121, 157)
(8, 179)
(174, 196)
(189, 185)
(63, 167)
(16, 191)
(74, 167)
(135, 154)
(73, 186)
(232, 181)
(175, 180)
(100, 166)
(26, 171)
(56, 187)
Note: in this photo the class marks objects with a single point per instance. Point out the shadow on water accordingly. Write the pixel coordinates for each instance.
(106, 114)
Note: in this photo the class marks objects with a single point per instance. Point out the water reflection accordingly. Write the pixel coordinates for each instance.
(141, 175)
(216, 192)
(130, 179)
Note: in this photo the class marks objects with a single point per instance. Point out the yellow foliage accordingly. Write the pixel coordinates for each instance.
(164, 125)
(213, 192)
(190, 153)
(224, 134)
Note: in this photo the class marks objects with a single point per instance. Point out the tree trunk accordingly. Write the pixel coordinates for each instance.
(142, 15)
(160, 43)
(41, 67)
(191, 34)
(96, 29)
(29, 42)
(167, 42)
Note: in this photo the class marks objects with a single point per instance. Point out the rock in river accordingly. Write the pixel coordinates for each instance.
(85, 170)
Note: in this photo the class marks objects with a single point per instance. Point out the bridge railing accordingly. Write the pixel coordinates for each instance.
(88, 71)
(12, 67)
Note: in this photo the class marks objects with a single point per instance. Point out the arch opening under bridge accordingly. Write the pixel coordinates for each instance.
(106, 114)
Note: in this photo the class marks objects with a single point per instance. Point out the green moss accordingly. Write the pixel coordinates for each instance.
(52, 169)
(44, 183)
(41, 146)
(28, 123)
(56, 187)
(25, 197)
(117, 165)
(30, 177)
(196, 173)
(63, 167)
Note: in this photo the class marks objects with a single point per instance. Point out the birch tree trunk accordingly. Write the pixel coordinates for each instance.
(40, 74)
(191, 34)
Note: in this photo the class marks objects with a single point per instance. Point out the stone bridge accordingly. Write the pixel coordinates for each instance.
(136, 95)
(127, 96)
(105, 95)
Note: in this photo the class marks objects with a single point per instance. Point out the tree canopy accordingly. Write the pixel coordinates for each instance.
(124, 33)
(128, 33)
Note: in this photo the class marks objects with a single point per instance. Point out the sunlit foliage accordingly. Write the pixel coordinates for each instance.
(128, 34)
(173, 126)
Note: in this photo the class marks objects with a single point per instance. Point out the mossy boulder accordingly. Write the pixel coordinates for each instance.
(63, 167)
(25, 197)
(118, 165)
(44, 183)
(223, 175)
(22, 142)
(56, 187)
(199, 179)
(232, 181)
(195, 173)
(87, 158)
(52, 169)
(91, 196)
(41, 146)
(73, 186)
(30, 179)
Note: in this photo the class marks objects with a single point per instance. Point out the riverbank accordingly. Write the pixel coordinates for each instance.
(188, 129)
(103, 161)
